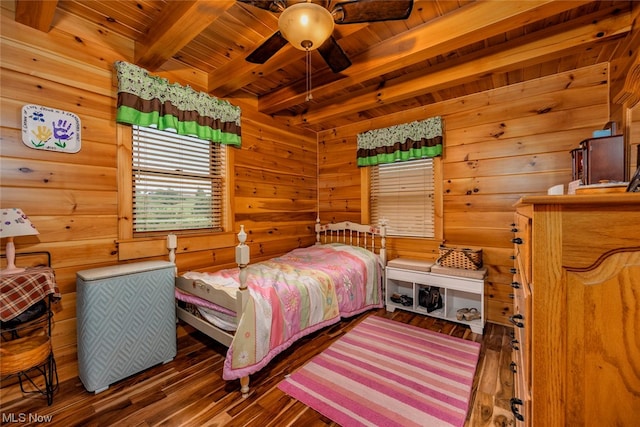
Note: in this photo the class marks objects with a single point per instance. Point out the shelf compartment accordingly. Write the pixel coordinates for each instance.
(456, 292)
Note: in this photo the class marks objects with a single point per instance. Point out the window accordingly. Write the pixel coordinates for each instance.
(403, 194)
(178, 182)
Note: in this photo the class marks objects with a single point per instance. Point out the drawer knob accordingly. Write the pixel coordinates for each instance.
(513, 270)
(514, 344)
(513, 367)
(516, 320)
(517, 240)
(515, 402)
(514, 230)
(515, 285)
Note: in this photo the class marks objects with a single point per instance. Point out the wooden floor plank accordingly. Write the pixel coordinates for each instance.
(189, 391)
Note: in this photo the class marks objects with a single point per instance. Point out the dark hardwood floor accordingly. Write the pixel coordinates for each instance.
(189, 390)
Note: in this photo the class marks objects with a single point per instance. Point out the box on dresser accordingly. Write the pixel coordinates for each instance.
(599, 159)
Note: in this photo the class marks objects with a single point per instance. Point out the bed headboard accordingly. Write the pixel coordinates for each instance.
(354, 234)
(345, 232)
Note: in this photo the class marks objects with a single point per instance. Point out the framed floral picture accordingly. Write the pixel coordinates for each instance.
(46, 128)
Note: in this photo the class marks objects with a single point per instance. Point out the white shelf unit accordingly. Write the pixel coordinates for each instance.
(457, 292)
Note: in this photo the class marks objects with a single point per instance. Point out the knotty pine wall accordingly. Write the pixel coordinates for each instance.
(499, 145)
(73, 199)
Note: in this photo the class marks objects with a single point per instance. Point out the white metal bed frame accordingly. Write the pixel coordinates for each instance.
(345, 232)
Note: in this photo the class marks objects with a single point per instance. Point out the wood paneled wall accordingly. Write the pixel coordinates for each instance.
(499, 145)
(73, 198)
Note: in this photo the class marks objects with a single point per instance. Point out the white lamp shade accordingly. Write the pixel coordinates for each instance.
(306, 25)
(13, 222)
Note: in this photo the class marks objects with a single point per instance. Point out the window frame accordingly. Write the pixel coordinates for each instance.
(201, 164)
(125, 194)
(365, 198)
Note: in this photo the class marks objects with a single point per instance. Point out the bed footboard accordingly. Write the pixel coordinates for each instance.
(223, 337)
(218, 297)
(235, 302)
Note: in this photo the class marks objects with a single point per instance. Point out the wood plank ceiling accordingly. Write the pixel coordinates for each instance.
(445, 49)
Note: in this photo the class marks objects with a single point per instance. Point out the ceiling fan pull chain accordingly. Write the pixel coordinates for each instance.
(308, 66)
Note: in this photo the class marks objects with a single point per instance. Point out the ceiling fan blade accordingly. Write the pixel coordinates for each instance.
(333, 55)
(271, 5)
(267, 49)
(354, 12)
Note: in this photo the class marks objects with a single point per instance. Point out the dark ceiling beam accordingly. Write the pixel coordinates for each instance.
(37, 14)
(180, 22)
(472, 23)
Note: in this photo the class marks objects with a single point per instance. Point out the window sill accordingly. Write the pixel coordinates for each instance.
(130, 249)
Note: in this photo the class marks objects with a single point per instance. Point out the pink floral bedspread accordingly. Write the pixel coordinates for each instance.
(295, 295)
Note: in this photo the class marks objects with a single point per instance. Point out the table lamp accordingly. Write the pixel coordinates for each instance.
(14, 223)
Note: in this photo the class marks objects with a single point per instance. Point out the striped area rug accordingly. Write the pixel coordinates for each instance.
(386, 373)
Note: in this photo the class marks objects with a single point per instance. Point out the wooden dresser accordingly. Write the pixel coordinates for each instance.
(576, 346)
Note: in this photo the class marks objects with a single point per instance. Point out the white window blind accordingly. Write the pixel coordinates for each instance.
(403, 194)
(178, 182)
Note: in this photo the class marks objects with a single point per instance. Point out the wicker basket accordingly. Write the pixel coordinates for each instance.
(465, 258)
(23, 353)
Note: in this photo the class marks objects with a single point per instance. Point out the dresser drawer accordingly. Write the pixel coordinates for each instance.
(522, 246)
(521, 402)
(522, 325)
(521, 320)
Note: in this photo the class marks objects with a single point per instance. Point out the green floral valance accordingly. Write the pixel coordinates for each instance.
(152, 101)
(409, 141)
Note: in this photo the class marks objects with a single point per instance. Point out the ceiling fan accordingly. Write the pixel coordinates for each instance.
(308, 25)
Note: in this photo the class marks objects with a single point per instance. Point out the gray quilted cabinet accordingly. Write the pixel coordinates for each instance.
(126, 321)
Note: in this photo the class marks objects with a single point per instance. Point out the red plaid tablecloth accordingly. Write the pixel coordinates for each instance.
(20, 291)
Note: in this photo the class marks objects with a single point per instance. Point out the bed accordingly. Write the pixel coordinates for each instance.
(259, 310)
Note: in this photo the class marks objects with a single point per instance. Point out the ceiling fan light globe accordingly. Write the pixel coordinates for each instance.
(306, 25)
